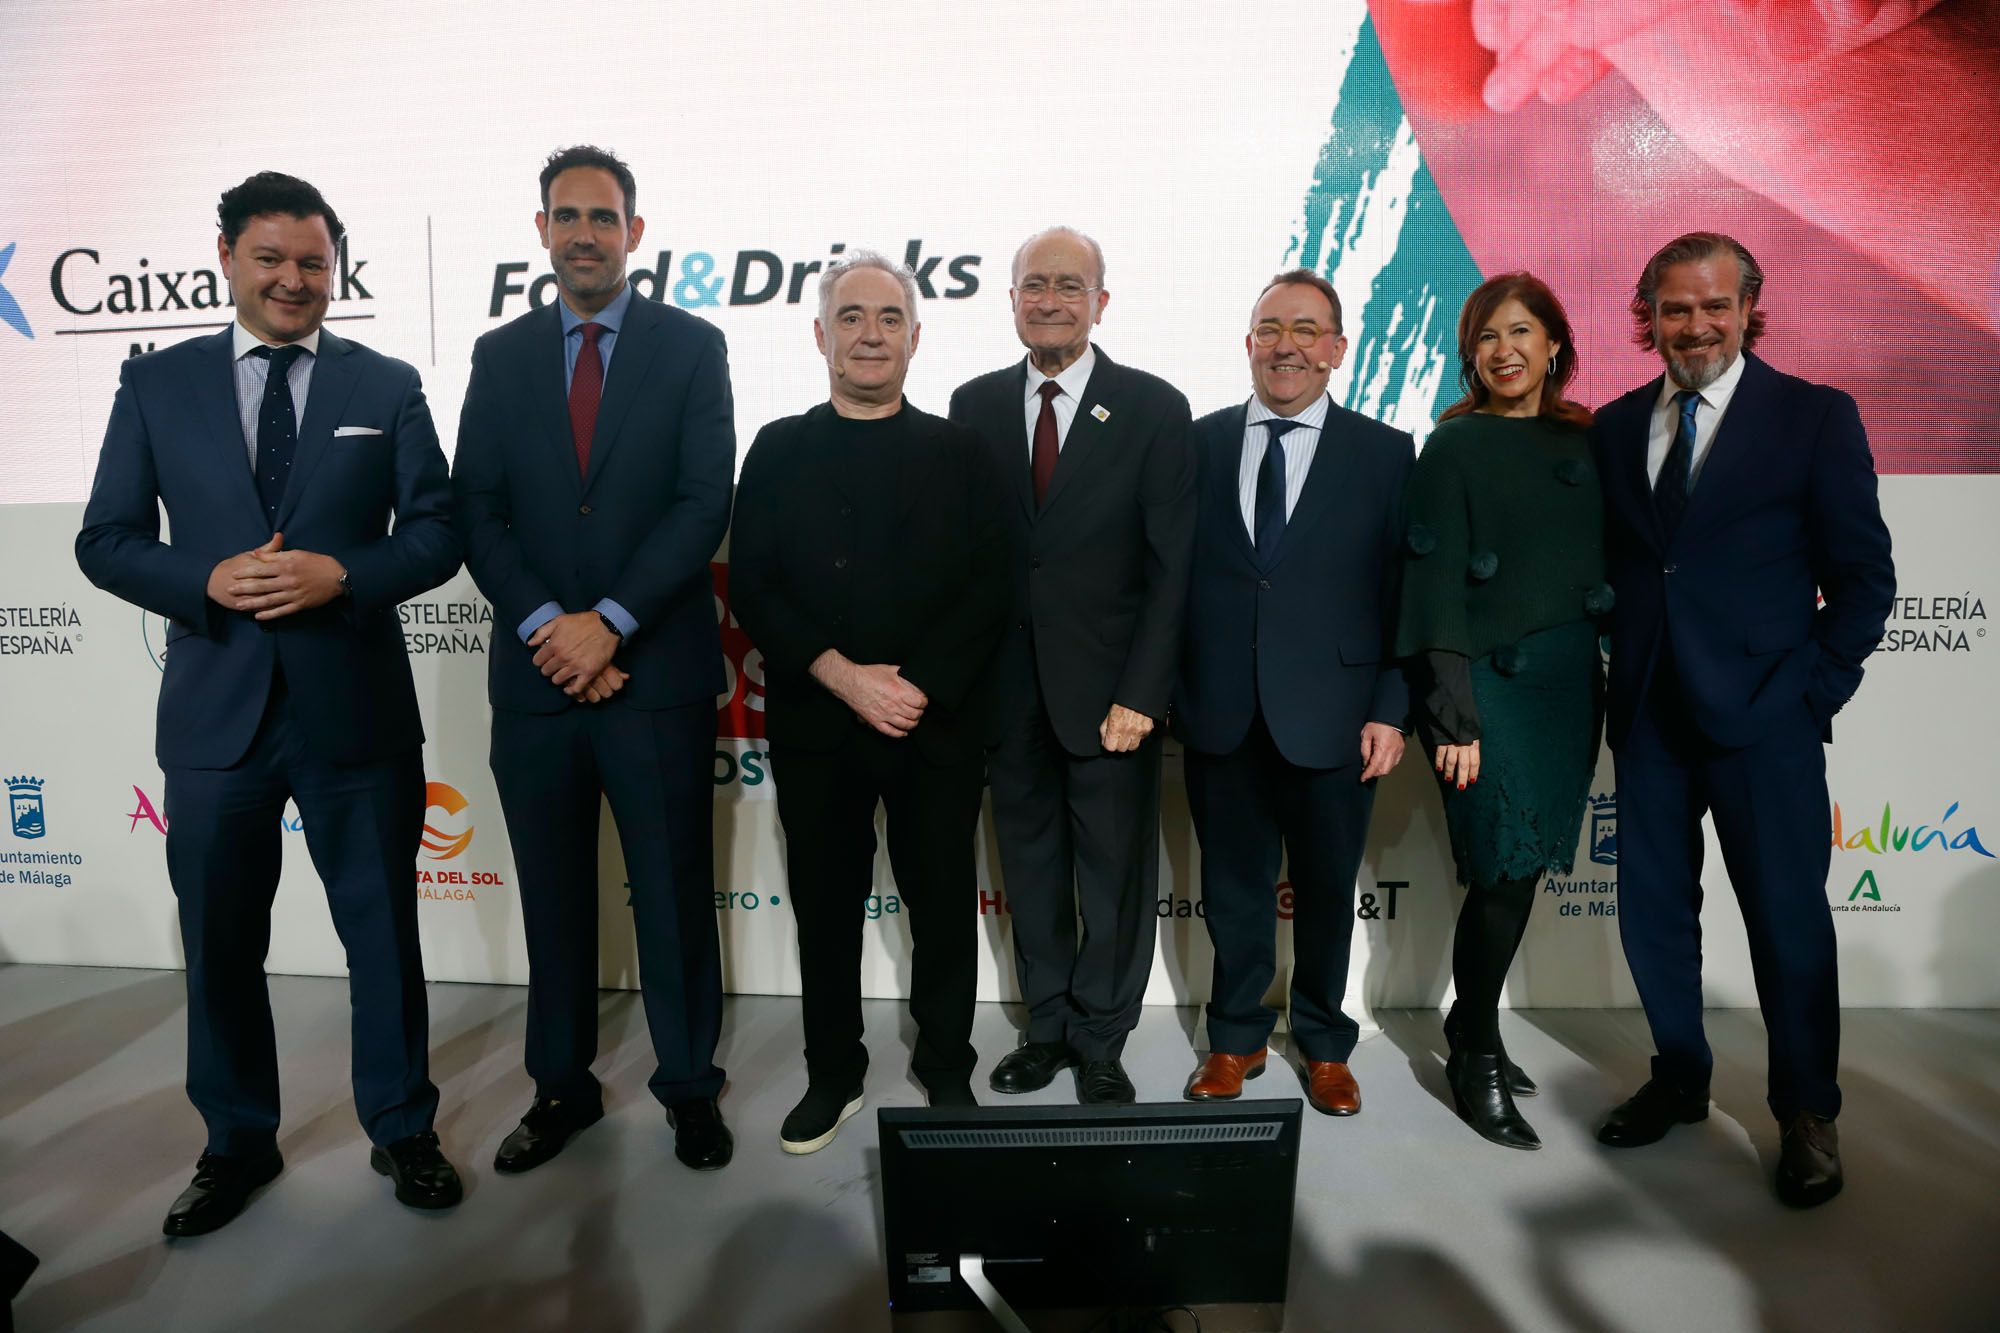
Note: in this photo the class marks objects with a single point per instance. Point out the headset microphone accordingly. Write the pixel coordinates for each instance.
(1326, 365)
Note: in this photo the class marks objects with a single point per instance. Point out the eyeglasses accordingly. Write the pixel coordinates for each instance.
(1069, 290)
(1303, 334)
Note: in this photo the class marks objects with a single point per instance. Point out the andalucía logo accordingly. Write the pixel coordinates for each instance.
(439, 844)
(1889, 836)
(24, 807)
(10, 309)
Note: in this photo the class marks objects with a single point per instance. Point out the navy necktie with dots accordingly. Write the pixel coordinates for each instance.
(277, 428)
(1270, 509)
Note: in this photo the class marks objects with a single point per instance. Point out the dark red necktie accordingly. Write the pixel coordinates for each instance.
(1042, 463)
(586, 390)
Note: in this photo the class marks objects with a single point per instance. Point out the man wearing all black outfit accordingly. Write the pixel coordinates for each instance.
(869, 564)
(1099, 460)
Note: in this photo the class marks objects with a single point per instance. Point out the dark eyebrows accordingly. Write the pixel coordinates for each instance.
(856, 308)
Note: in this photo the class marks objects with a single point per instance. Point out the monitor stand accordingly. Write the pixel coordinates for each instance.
(972, 1268)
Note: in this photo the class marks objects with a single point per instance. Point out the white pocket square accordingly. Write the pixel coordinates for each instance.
(339, 431)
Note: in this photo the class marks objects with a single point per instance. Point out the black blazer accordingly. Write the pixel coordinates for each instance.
(928, 592)
(1100, 574)
(1310, 637)
(640, 529)
(1783, 513)
(175, 439)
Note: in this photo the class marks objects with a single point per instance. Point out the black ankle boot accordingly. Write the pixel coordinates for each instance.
(1479, 1095)
(1518, 1081)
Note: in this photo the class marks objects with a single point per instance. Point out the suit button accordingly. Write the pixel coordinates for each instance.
(1264, 584)
(845, 510)
(1034, 564)
(1020, 624)
(840, 562)
(1671, 568)
(583, 509)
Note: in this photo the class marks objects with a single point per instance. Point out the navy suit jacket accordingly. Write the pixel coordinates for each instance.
(1100, 571)
(175, 438)
(1309, 638)
(640, 529)
(1784, 513)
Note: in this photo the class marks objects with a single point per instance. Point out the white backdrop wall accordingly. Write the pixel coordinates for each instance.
(763, 141)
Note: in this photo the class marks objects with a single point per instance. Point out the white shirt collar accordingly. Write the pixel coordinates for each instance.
(1313, 417)
(1715, 396)
(1072, 380)
(246, 342)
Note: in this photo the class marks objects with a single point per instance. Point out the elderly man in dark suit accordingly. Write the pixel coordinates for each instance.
(1291, 703)
(1752, 569)
(1103, 515)
(595, 454)
(281, 453)
(868, 561)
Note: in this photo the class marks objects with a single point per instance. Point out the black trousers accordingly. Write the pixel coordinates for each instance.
(1078, 835)
(224, 846)
(1771, 810)
(554, 771)
(826, 802)
(1251, 806)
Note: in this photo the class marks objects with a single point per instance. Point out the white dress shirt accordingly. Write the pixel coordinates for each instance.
(253, 374)
(1301, 443)
(1071, 382)
(1707, 417)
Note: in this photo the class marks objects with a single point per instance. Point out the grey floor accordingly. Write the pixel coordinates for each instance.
(1405, 1220)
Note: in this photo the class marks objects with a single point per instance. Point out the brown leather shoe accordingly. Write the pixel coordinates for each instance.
(1331, 1088)
(1220, 1078)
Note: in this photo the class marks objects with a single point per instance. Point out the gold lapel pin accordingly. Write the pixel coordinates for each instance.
(1101, 412)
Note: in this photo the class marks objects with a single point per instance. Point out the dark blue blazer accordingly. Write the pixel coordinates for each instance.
(1784, 513)
(1309, 638)
(176, 438)
(640, 529)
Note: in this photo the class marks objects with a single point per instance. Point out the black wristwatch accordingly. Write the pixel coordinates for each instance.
(611, 625)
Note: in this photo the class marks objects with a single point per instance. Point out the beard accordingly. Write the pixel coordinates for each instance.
(608, 277)
(1696, 375)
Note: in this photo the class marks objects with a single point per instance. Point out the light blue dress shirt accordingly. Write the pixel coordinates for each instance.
(610, 318)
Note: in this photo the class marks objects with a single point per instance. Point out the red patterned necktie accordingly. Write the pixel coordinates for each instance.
(1042, 463)
(586, 389)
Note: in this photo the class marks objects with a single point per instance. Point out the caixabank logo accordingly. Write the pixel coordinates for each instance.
(28, 822)
(10, 310)
(1891, 847)
(447, 837)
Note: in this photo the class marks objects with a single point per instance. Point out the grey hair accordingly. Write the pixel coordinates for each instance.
(854, 259)
(1096, 251)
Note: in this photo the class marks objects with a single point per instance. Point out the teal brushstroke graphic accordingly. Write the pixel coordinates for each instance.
(1408, 324)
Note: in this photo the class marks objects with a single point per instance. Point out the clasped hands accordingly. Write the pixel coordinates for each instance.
(574, 651)
(270, 581)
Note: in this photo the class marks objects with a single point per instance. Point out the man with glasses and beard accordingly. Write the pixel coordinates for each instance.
(1745, 544)
(591, 489)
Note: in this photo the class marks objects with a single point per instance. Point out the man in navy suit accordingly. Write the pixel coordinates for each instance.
(1747, 550)
(281, 452)
(1290, 700)
(591, 488)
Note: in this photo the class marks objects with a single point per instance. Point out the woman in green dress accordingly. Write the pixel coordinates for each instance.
(1503, 586)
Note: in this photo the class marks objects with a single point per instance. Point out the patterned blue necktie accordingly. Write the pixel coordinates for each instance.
(277, 427)
(1270, 509)
(1670, 492)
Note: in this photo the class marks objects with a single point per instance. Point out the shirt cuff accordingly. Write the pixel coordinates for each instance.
(619, 616)
(541, 616)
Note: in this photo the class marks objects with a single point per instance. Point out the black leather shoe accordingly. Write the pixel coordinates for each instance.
(1479, 1094)
(1103, 1083)
(1649, 1113)
(1809, 1161)
(701, 1140)
(424, 1179)
(549, 1125)
(953, 1095)
(220, 1188)
(1518, 1082)
(1032, 1067)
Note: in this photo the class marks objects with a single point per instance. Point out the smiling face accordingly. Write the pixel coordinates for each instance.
(280, 274)
(868, 338)
(1058, 298)
(1698, 319)
(1287, 376)
(587, 234)
(1512, 353)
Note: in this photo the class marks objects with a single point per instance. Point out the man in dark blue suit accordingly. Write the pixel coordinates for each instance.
(1290, 702)
(1746, 546)
(591, 487)
(280, 453)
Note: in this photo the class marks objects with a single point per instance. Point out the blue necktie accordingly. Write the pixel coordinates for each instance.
(1670, 492)
(277, 427)
(1270, 509)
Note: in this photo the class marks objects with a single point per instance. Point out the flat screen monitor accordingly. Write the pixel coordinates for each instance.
(1087, 1210)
